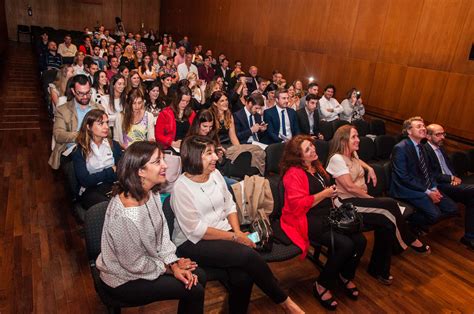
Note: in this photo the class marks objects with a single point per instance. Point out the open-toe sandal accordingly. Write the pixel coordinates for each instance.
(350, 292)
(424, 249)
(328, 304)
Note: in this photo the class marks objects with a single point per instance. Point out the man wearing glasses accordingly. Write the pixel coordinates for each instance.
(448, 182)
(68, 119)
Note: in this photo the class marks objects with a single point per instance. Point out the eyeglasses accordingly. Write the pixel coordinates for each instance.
(439, 134)
(81, 94)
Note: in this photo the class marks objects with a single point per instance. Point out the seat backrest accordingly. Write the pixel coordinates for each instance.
(93, 224)
(278, 193)
(169, 214)
(384, 146)
(470, 154)
(381, 186)
(23, 28)
(366, 149)
(273, 152)
(460, 163)
(322, 149)
(327, 130)
(362, 126)
(387, 169)
(338, 123)
(377, 127)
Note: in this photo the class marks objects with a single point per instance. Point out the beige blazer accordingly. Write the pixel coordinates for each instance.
(65, 129)
(255, 193)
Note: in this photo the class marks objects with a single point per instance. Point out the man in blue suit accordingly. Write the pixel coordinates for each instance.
(248, 122)
(412, 180)
(448, 182)
(282, 121)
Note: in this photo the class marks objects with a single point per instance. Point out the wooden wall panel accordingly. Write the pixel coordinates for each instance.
(396, 44)
(3, 28)
(71, 14)
(422, 91)
(402, 54)
(438, 32)
(368, 29)
(456, 112)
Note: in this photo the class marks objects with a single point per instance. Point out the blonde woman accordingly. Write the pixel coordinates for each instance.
(197, 87)
(57, 89)
(128, 58)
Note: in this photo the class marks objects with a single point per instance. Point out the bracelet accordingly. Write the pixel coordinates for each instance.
(234, 237)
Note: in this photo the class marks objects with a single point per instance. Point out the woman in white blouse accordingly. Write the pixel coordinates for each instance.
(116, 98)
(138, 261)
(207, 228)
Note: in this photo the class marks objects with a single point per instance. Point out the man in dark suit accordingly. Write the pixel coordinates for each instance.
(252, 79)
(224, 71)
(448, 182)
(282, 121)
(248, 122)
(412, 180)
(308, 117)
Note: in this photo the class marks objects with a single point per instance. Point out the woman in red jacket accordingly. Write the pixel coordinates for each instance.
(307, 202)
(174, 121)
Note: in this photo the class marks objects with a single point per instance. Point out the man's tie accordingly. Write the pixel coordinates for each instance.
(255, 138)
(444, 166)
(424, 167)
(283, 124)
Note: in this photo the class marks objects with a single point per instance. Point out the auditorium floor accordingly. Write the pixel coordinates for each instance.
(43, 264)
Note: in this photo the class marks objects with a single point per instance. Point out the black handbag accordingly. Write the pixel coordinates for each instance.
(345, 219)
(261, 225)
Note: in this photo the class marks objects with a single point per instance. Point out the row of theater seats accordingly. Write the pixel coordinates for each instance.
(374, 127)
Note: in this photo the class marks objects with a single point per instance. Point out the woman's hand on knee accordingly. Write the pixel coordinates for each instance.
(185, 276)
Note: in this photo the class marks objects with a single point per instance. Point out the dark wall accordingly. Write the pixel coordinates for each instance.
(3, 28)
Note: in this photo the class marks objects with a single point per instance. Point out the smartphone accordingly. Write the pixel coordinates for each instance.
(254, 237)
(248, 80)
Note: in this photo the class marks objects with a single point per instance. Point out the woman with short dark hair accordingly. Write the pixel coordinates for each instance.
(208, 229)
(138, 262)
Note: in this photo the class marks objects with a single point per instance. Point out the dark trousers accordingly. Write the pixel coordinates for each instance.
(463, 193)
(389, 208)
(95, 195)
(428, 213)
(348, 249)
(165, 287)
(243, 264)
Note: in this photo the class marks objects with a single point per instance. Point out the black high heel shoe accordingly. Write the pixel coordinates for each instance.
(382, 279)
(328, 304)
(349, 291)
(423, 249)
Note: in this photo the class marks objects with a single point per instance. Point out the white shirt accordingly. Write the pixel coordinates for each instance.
(332, 103)
(310, 120)
(287, 122)
(183, 70)
(198, 206)
(66, 51)
(100, 158)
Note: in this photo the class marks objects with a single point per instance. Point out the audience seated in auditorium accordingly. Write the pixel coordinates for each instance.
(68, 118)
(282, 121)
(57, 89)
(174, 121)
(313, 88)
(152, 101)
(67, 49)
(208, 230)
(353, 108)
(186, 67)
(329, 107)
(413, 182)
(95, 159)
(223, 119)
(51, 59)
(206, 71)
(134, 123)
(349, 171)
(448, 183)
(308, 117)
(307, 203)
(248, 122)
(138, 262)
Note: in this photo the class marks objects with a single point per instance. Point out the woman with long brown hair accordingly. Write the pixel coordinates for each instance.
(223, 119)
(134, 123)
(307, 202)
(134, 81)
(174, 121)
(95, 158)
(348, 170)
